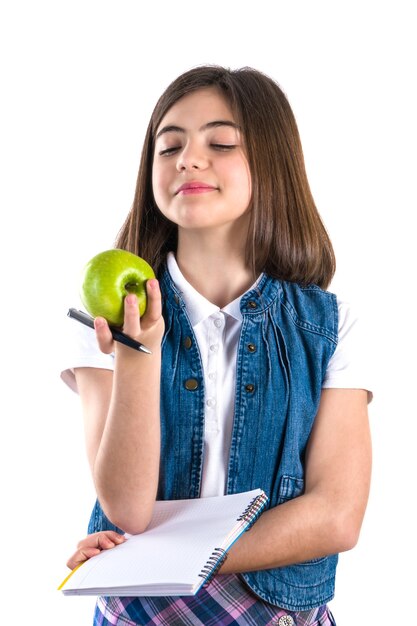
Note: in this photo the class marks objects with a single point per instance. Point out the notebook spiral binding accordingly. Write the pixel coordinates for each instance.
(253, 510)
(214, 563)
(219, 555)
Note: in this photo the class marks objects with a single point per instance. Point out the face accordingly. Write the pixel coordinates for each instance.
(201, 176)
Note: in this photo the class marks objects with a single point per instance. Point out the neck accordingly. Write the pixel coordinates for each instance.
(217, 270)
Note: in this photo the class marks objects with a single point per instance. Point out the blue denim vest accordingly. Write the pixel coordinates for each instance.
(288, 335)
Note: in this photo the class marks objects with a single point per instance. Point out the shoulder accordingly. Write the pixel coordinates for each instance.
(350, 366)
(81, 350)
(312, 308)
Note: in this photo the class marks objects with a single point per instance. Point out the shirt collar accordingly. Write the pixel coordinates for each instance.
(198, 307)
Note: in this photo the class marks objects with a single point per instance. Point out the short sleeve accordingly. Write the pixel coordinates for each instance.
(81, 350)
(350, 364)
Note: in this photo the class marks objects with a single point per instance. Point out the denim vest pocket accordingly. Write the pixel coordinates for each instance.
(290, 487)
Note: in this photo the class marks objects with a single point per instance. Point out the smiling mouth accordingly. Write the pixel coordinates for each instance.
(194, 188)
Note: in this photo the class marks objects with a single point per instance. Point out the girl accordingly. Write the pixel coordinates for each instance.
(254, 378)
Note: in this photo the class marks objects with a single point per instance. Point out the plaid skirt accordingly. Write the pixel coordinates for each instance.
(225, 601)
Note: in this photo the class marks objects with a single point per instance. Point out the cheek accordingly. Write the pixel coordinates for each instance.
(242, 182)
(158, 185)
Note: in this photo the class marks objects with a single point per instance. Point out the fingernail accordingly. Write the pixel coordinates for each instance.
(99, 322)
(131, 299)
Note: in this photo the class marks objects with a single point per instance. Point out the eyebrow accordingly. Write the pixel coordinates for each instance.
(177, 129)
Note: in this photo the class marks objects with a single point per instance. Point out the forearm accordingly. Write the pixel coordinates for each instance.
(126, 467)
(305, 528)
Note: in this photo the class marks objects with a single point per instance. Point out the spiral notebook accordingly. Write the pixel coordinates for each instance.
(181, 550)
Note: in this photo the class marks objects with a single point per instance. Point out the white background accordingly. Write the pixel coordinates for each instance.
(79, 80)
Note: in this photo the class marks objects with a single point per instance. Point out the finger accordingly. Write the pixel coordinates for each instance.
(109, 539)
(154, 301)
(131, 324)
(93, 544)
(103, 334)
(101, 539)
(82, 555)
(114, 536)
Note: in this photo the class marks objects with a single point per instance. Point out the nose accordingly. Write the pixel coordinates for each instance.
(191, 157)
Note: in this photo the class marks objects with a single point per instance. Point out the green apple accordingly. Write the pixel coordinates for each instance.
(110, 276)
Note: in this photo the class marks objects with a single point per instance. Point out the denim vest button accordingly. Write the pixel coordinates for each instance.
(286, 620)
(252, 304)
(191, 384)
(187, 343)
(250, 388)
(251, 347)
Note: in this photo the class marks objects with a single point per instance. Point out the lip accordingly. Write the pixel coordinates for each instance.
(194, 187)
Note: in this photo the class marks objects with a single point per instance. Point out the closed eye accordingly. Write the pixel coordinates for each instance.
(223, 146)
(169, 151)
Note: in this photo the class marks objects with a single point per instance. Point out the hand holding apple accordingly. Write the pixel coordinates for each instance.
(108, 278)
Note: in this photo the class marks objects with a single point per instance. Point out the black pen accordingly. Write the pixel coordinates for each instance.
(117, 334)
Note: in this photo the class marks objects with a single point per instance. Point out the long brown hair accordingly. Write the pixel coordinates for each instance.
(287, 238)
